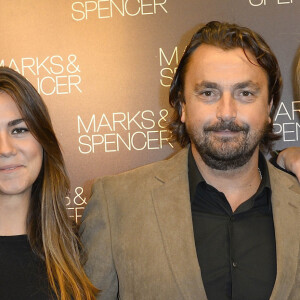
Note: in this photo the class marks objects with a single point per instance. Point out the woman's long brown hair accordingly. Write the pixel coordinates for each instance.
(49, 229)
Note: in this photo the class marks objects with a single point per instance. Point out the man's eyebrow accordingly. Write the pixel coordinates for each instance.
(206, 84)
(247, 84)
(15, 122)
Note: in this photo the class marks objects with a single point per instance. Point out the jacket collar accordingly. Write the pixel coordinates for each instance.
(286, 215)
(173, 211)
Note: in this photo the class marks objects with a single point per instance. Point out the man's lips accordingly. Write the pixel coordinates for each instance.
(225, 133)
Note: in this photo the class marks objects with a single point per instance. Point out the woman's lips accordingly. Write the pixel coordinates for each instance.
(10, 168)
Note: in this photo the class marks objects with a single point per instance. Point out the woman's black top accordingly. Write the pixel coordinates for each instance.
(22, 273)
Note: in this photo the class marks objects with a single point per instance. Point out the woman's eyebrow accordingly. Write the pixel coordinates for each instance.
(15, 122)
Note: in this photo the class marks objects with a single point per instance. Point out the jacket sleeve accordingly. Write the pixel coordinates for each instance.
(95, 235)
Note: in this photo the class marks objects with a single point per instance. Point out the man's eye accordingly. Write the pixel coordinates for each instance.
(19, 130)
(246, 93)
(207, 93)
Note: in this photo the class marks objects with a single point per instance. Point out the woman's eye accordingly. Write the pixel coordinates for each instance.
(19, 130)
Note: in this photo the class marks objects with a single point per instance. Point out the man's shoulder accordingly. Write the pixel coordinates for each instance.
(140, 174)
(283, 180)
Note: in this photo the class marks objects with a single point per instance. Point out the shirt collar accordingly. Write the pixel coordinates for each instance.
(195, 176)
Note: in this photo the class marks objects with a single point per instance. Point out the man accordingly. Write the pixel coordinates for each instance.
(216, 221)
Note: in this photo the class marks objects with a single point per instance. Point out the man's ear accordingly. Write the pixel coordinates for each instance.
(183, 113)
(270, 106)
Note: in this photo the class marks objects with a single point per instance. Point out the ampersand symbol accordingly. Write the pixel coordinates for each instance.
(162, 123)
(72, 58)
(78, 195)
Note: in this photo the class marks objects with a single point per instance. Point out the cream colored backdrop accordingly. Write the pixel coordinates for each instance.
(104, 68)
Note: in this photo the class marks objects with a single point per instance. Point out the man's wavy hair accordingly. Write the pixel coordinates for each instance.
(226, 36)
(297, 77)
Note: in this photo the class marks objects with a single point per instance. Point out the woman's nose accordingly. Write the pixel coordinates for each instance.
(7, 147)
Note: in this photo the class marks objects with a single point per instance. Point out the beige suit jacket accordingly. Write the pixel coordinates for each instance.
(138, 233)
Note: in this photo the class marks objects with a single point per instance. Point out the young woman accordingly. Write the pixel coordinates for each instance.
(39, 251)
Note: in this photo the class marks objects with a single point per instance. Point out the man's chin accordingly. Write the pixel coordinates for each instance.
(224, 164)
(228, 144)
(225, 159)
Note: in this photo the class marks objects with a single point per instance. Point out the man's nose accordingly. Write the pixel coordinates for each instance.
(7, 147)
(226, 109)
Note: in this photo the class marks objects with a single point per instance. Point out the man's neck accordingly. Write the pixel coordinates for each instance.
(238, 185)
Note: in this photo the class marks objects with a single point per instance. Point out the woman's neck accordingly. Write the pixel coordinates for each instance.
(13, 214)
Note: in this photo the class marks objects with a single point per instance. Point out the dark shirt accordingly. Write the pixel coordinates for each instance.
(236, 250)
(23, 274)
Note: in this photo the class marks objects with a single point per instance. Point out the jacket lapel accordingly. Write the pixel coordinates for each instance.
(286, 214)
(172, 207)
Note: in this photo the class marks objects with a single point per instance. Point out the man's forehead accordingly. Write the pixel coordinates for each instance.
(209, 53)
(211, 63)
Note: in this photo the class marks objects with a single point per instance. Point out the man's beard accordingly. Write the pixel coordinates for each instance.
(226, 153)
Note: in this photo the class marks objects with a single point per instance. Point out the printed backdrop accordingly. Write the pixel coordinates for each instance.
(104, 69)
